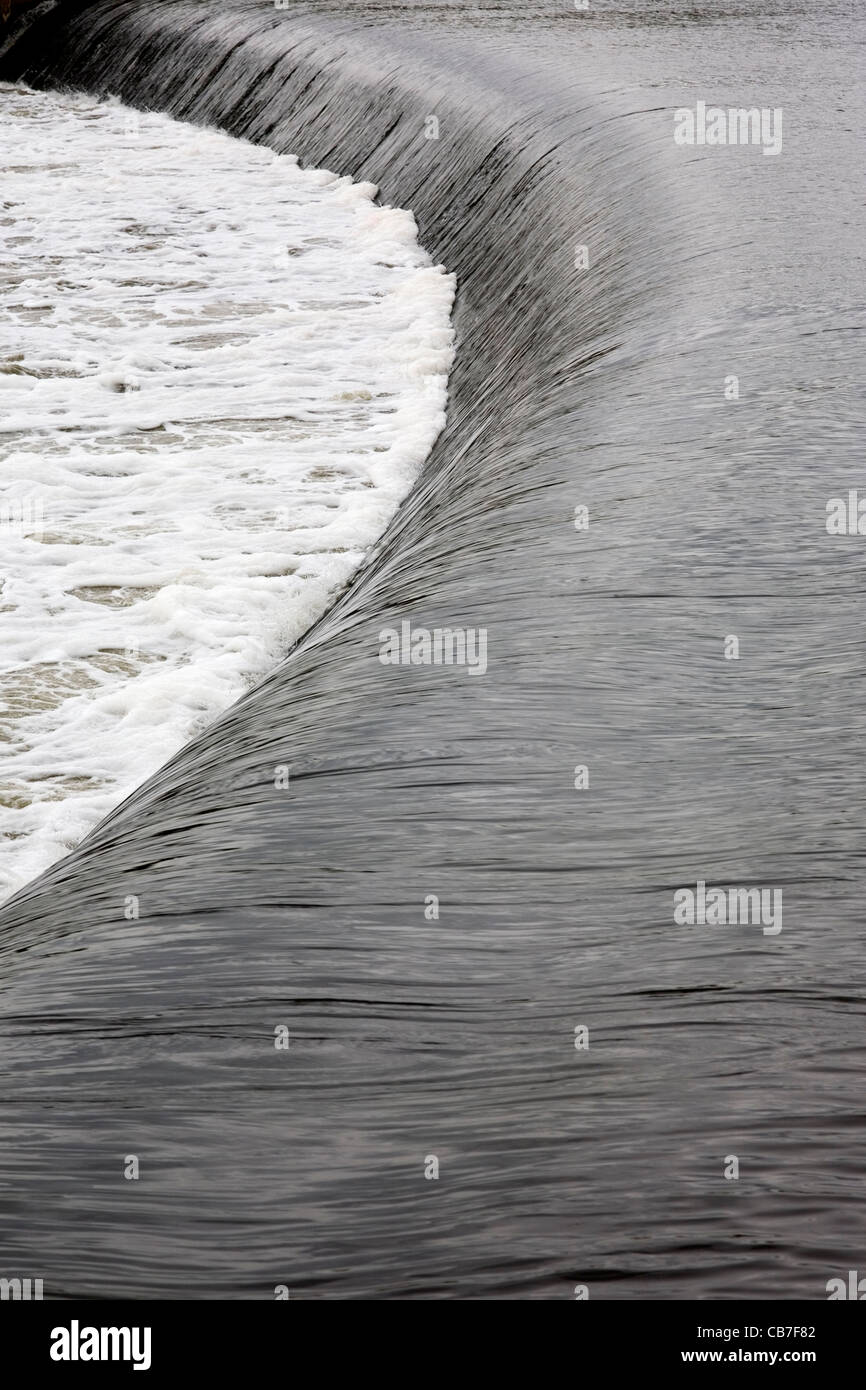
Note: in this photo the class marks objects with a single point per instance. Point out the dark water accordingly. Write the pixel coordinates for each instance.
(305, 907)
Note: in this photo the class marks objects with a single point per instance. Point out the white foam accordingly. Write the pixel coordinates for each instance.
(224, 375)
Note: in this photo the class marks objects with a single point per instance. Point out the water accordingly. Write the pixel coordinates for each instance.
(304, 907)
(227, 373)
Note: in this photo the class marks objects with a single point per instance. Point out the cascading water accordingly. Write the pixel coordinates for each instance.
(461, 873)
(216, 403)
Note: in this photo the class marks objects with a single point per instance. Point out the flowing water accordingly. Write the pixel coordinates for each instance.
(227, 374)
(462, 869)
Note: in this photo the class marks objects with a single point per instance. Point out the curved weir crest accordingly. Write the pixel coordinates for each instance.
(428, 906)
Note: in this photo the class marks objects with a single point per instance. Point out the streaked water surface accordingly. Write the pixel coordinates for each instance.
(413, 1036)
(226, 375)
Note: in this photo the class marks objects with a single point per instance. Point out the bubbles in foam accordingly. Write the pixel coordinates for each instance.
(222, 376)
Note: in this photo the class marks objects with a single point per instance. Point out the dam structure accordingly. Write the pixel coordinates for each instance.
(415, 1019)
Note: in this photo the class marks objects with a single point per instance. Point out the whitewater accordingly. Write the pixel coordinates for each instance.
(220, 374)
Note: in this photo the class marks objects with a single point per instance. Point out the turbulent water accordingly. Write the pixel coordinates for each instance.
(465, 872)
(227, 373)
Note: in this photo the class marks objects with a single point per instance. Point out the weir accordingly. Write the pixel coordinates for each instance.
(302, 905)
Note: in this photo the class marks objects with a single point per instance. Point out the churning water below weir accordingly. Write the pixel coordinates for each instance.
(224, 384)
(600, 379)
